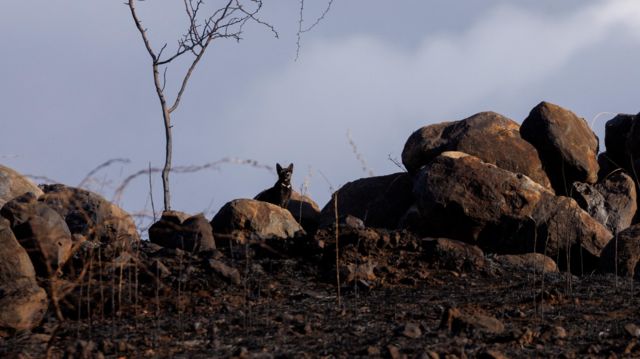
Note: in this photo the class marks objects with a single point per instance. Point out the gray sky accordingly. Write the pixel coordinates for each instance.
(76, 87)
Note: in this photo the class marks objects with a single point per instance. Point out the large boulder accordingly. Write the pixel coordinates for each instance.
(487, 135)
(13, 184)
(305, 210)
(622, 139)
(244, 219)
(41, 231)
(379, 201)
(622, 254)
(22, 302)
(567, 146)
(463, 198)
(91, 216)
(611, 202)
(179, 230)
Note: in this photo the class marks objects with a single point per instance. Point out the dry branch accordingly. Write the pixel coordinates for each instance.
(187, 169)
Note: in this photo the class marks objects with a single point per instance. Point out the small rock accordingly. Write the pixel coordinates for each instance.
(457, 321)
(394, 352)
(373, 351)
(536, 262)
(179, 230)
(232, 275)
(559, 332)
(159, 269)
(242, 353)
(492, 354)
(632, 329)
(430, 355)
(411, 330)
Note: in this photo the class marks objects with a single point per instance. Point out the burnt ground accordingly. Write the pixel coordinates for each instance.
(287, 307)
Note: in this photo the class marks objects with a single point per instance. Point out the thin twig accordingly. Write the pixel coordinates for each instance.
(100, 167)
(359, 155)
(315, 23)
(153, 207)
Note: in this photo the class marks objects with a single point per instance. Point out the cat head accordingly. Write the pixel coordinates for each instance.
(284, 174)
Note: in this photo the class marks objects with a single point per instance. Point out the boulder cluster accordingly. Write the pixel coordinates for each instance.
(479, 193)
(540, 187)
(46, 236)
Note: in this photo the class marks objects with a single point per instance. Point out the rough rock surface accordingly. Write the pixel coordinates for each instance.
(305, 210)
(242, 218)
(622, 139)
(13, 184)
(461, 197)
(90, 215)
(458, 321)
(454, 255)
(487, 135)
(22, 302)
(566, 145)
(41, 231)
(611, 202)
(536, 262)
(379, 201)
(179, 230)
(622, 254)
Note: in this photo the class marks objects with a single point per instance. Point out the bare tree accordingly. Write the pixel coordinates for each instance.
(222, 22)
(225, 22)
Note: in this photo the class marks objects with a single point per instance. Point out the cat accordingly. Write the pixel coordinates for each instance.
(280, 193)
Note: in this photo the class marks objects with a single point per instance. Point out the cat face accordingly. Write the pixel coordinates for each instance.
(284, 174)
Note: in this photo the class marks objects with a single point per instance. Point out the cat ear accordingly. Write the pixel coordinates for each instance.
(290, 168)
(278, 168)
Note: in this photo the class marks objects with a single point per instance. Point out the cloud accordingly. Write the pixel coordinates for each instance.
(382, 92)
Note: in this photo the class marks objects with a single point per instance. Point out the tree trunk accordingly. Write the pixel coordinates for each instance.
(167, 159)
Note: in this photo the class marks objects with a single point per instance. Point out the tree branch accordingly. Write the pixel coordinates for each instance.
(142, 31)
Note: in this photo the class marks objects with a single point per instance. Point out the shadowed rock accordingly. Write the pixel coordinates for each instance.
(22, 302)
(536, 262)
(611, 202)
(179, 230)
(622, 138)
(565, 143)
(90, 215)
(379, 201)
(622, 134)
(622, 254)
(41, 231)
(487, 135)
(305, 210)
(461, 197)
(453, 255)
(13, 184)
